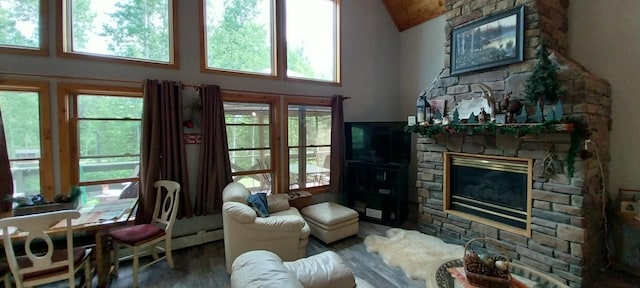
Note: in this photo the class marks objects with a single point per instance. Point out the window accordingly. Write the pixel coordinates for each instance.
(312, 40)
(103, 136)
(129, 30)
(25, 115)
(23, 27)
(241, 36)
(309, 148)
(253, 135)
(249, 134)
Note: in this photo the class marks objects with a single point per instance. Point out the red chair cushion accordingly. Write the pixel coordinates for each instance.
(137, 234)
(58, 255)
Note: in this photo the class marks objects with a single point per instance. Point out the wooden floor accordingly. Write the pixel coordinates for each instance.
(203, 266)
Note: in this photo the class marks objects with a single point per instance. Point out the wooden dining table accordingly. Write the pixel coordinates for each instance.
(98, 220)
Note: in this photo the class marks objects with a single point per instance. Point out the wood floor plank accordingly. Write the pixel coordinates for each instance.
(203, 266)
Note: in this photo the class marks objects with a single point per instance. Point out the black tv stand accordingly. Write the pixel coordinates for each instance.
(378, 191)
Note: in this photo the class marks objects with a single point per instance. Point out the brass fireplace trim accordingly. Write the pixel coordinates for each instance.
(499, 163)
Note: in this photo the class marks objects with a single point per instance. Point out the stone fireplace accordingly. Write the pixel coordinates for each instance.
(561, 232)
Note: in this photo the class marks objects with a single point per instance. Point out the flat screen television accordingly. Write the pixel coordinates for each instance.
(380, 142)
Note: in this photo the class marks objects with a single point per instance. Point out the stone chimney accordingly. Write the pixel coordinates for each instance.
(567, 237)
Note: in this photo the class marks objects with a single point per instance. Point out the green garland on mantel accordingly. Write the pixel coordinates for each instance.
(575, 126)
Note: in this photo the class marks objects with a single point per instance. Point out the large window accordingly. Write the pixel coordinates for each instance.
(260, 161)
(309, 145)
(25, 115)
(103, 134)
(245, 36)
(239, 36)
(312, 40)
(250, 140)
(124, 29)
(23, 27)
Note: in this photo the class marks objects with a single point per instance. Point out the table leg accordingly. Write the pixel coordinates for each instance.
(103, 263)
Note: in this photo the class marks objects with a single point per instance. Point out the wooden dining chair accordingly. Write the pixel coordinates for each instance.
(149, 236)
(5, 274)
(43, 264)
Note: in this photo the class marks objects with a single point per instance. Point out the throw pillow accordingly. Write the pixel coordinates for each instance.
(259, 203)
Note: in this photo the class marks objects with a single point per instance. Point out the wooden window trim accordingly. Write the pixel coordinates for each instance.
(204, 52)
(338, 48)
(279, 57)
(67, 126)
(64, 50)
(43, 50)
(274, 142)
(46, 157)
(304, 101)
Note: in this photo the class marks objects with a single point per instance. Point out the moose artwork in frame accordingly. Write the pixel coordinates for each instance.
(492, 41)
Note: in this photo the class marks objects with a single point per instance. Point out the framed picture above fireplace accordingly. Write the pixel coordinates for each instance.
(492, 41)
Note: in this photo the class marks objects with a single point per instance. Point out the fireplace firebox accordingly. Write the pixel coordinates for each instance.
(493, 190)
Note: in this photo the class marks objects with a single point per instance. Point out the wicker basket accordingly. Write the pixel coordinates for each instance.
(486, 280)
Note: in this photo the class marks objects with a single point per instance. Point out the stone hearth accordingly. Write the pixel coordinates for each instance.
(567, 237)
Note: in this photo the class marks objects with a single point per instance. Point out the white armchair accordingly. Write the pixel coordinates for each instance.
(284, 232)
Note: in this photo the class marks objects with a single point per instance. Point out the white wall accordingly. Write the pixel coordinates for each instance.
(422, 59)
(604, 37)
(370, 70)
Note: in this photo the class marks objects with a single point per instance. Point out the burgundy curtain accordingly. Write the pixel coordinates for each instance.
(337, 144)
(163, 152)
(6, 184)
(215, 167)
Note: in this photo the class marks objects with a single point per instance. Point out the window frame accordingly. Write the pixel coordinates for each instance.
(46, 148)
(279, 137)
(301, 101)
(279, 54)
(337, 49)
(274, 108)
(43, 49)
(64, 47)
(68, 129)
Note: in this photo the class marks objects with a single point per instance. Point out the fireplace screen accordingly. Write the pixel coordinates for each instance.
(489, 189)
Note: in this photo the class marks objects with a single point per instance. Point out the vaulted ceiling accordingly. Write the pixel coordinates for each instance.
(409, 13)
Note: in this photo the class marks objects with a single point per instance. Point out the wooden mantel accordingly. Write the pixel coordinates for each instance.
(409, 13)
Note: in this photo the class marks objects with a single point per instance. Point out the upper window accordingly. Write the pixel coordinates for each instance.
(23, 26)
(123, 29)
(312, 39)
(241, 37)
(103, 136)
(25, 117)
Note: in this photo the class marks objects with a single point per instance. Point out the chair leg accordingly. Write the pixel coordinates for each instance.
(135, 266)
(154, 251)
(6, 280)
(116, 259)
(87, 273)
(167, 252)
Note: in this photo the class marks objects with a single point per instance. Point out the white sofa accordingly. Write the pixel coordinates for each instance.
(264, 269)
(284, 232)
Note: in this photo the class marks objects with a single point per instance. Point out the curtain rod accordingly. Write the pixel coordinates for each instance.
(140, 83)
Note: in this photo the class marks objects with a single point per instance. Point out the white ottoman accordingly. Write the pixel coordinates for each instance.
(330, 222)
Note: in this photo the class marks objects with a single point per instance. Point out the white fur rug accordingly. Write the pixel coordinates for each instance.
(419, 255)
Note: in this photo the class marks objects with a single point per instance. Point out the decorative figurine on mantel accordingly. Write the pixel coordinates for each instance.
(482, 116)
(473, 119)
(491, 100)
